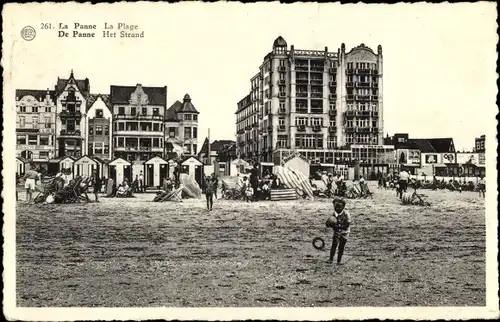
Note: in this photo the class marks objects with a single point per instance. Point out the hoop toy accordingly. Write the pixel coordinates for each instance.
(320, 241)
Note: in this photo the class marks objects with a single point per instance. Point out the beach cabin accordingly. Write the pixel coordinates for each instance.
(67, 163)
(155, 169)
(22, 165)
(137, 169)
(120, 169)
(193, 166)
(84, 166)
(102, 166)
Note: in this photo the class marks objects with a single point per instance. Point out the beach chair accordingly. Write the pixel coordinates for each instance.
(365, 191)
(128, 193)
(414, 198)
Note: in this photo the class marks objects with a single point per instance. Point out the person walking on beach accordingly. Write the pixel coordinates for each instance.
(209, 193)
(30, 178)
(96, 184)
(404, 177)
(482, 187)
(340, 221)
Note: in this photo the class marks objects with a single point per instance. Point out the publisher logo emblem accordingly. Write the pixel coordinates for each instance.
(28, 33)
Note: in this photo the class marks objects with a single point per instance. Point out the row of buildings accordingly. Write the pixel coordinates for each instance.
(131, 122)
(328, 108)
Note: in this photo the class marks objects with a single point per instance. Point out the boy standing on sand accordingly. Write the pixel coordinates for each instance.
(340, 222)
(209, 192)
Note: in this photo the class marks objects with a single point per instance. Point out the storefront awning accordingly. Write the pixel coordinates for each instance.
(440, 165)
(267, 164)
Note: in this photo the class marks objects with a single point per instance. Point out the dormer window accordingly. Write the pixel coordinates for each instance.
(99, 113)
(187, 117)
(195, 117)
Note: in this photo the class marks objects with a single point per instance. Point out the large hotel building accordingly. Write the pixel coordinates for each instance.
(325, 105)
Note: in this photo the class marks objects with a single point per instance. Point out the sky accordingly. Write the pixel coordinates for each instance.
(439, 59)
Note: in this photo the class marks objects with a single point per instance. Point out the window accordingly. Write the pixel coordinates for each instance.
(121, 126)
(91, 129)
(332, 123)
(282, 88)
(195, 148)
(44, 140)
(282, 141)
(281, 121)
(195, 117)
(195, 132)
(156, 127)
(156, 142)
(317, 121)
(332, 142)
(187, 148)
(22, 121)
(22, 109)
(133, 111)
(98, 148)
(34, 109)
(349, 65)
(121, 110)
(172, 132)
(106, 148)
(156, 111)
(106, 130)
(98, 130)
(144, 111)
(47, 123)
(90, 148)
(187, 117)
(35, 122)
(187, 132)
(21, 139)
(121, 142)
(48, 109)
(32, 139)
(99, 113)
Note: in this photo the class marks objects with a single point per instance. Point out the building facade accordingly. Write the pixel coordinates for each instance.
(181, 129)
(138, 116)
(35, 124)
(71, 126)
(100, 122)
(312, 102)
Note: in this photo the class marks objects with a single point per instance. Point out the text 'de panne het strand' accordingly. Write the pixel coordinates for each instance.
(106, 30)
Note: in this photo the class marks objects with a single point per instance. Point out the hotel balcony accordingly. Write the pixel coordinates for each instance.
(364, 113)
(374, 129)
(374, 113)
(282, 111)
(332, 129)
(332, 112)
(333, 84)
(363, 85)
(301, 110)
(374, 72)
(333, 96)
(281, 128)
(349, 71)
(77, 115)
(304, 81)
(241, 131)
(255, 125)
(316, 81)
(316, 128)
(281, 68)
(350, 113)
(282, 94)
(66, 133)
(302, 67)
(301, 128)
(269, 128)
(316, 95)
(363, 97)
(281, 82)
(374, 98)
(138, 132)
(362, 71)
(349, 85)
(248, 127)
(375, 85)
(138, 117)
(301, 94)
(332, 70)
(317, 69)
(137, 149)
(349, 129)
(363, 130)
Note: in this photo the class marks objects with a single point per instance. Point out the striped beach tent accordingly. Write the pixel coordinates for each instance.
(293, 179)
